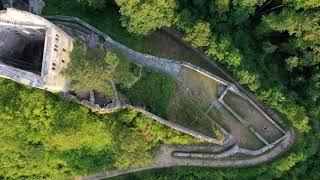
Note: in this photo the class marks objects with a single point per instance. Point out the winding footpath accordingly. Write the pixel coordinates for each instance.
(165, 159)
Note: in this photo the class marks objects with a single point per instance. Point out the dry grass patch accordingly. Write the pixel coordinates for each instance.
(184, 112)
(244, 137)
(251, 114)
(201, 89)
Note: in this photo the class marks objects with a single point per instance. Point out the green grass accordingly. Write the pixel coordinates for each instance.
(154, 91)
(202, 89)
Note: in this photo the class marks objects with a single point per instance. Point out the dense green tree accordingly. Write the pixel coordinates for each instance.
(305, 4)
(223, 50)
(198, 35)
(222, 6)
(95, 69)
(43, 136)
(143, 17)
(132, 143)
(293, 22)
(313, 90)
(243, 9)
(302, 47)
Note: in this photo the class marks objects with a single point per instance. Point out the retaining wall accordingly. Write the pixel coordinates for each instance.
(167, 66)
(179, 37)
(115, 106)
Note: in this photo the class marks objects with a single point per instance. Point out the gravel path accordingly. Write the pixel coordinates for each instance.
(164, 159)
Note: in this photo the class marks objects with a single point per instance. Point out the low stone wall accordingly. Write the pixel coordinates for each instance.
(173, 68)
(21, 76)
(167, 66)
(115, 106)
(179, 37)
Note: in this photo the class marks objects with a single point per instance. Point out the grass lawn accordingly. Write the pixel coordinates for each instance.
(201, 88)
(249, 113)
(154, 91)
(184, 112)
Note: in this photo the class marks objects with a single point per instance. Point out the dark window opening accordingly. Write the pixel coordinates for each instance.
(22, 48)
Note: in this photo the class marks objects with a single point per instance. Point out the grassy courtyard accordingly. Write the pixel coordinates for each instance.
(202, 89)
(258, 121)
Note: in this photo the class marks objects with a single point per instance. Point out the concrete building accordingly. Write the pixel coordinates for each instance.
(33, 51)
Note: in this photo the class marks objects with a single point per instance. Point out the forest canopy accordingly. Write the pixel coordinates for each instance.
(46, 137)
(271, 47)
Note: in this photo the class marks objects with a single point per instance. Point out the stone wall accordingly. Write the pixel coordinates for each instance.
(57, 46)
(21, 76)
(167, 66)
(178, 36)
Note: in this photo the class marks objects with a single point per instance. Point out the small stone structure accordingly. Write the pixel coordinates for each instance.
(48, 54)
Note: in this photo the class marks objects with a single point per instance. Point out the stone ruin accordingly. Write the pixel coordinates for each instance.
(33, 51)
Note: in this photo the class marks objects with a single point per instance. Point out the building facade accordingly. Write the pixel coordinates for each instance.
(33, 51)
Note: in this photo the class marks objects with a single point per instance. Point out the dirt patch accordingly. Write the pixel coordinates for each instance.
(244, 137)
(255, 118)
